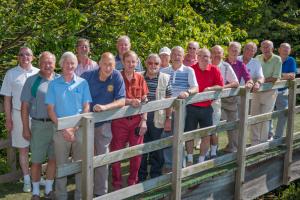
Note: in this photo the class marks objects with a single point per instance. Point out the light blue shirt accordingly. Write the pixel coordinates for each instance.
(68, 98)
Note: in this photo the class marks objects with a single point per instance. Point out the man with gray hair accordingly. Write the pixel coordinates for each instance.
(124, 45)
(264, 102)
(184, 84)
(75, 100)
(191, 57)
(11, 90)
(289, 70)
(40, 133)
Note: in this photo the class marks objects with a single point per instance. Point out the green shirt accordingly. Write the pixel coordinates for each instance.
(271, 67)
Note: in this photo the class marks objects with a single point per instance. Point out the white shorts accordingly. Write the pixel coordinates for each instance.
(16, 133)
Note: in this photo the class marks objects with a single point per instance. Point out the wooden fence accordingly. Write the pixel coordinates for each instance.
(178, 174)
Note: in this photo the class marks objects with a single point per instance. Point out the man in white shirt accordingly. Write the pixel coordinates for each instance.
(11, 89)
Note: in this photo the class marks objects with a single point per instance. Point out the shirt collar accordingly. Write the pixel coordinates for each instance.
(24, 70)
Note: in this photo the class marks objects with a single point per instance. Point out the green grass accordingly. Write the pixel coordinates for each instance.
(13, 191)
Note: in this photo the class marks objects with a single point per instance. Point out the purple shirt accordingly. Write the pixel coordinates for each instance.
(240, 70)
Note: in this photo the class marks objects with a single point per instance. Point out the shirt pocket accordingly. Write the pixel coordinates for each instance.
(137, 92)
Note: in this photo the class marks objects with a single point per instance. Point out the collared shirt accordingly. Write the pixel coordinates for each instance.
(209, 77)
(271, 67)
(119, 64)
(288, 66)
(68, 98)
(189, 61)
(137, 87)
(152, 84)
(37, 106)
(13, 83)
(240, 70)
(90, 66)
(227, 72)
(104, 92)
(181, 79)
(254, 68)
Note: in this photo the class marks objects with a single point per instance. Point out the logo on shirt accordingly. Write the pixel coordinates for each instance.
(110, 88)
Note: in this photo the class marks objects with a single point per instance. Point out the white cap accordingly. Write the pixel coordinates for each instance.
(165, 50)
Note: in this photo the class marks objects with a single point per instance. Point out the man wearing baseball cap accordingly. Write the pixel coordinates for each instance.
(164, 54)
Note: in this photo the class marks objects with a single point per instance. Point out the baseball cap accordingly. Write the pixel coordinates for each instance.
(165, 50)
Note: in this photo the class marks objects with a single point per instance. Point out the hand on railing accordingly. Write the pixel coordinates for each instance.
(69, 134)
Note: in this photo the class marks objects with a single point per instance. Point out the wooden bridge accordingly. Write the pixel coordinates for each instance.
(246, 174)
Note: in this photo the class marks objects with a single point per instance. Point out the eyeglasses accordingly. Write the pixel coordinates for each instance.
(153, 63)
(25, 54)
(194, 48)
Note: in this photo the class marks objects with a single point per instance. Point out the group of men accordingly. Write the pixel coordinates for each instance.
(34, 99)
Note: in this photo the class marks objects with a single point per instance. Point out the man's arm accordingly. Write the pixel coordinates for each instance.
(51, 113)
(192, 90)
(86, 107)
(233, 84)
(25, 120)
(271, 80)
(214, 88)
(288, 76)
(115, 104)
(7, 110)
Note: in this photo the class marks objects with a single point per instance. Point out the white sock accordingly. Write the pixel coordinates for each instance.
(213, 150)
(201, 159)
(48, 187)
(190, 158)
(207, 153)
(27, 178)
(36, 188)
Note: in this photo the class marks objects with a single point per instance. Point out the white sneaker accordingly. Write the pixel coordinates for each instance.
(27, 187)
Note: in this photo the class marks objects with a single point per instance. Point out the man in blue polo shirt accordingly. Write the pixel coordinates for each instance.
(288, 72)
(108, 92)
(67, 95)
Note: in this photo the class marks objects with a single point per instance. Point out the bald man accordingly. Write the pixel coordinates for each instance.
(108, 92)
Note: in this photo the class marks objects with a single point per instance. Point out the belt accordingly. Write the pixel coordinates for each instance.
(41, 119)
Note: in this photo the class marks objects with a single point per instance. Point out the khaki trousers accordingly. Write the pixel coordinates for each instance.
(262, 102)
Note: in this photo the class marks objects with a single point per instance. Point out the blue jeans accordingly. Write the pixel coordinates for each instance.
(280, 104)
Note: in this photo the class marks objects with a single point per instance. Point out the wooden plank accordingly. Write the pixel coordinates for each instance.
(178, 145)
(265, 117)
(104, 159)
(137, 189)
(264, 146)
(87, 178)
(242, 139)
(11, 176)
(4, 143)
(297, 109)
(298, 91)
(289, 131)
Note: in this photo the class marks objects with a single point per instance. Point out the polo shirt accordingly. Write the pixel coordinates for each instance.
(181, 79)
(288, 66)
(37, 106)
(152, 84)
(119, 64)
(271, 67)
(227, 72)
(240, 70)
(209, 77)
(68, 97)
(90, 66)
(13, 83)
(254, 68)
(136, 88)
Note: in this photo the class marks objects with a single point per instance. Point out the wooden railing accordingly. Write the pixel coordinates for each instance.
(89, 162)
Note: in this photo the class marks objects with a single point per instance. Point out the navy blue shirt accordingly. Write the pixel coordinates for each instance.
(104, 92)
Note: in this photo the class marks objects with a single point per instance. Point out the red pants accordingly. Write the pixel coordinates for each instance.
(123, 133)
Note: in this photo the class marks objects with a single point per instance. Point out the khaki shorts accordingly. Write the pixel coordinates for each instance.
(16, 133)
(41, 143)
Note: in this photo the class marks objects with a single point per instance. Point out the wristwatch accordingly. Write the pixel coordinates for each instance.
(189, 92)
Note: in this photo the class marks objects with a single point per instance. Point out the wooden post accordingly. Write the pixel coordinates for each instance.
(242, 138)
(179, 106)
(87, 178)
(289, 131)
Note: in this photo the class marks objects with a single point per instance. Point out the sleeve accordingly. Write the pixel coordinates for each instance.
(119, 85)
(245, 74)
(6, 88)
(86, 93)
(192, 78)
(259, 72)
(277, 69)
(26, 91)
(218, 77)
(292, 65)
(169, 89)
(50, 95)
(230, 75)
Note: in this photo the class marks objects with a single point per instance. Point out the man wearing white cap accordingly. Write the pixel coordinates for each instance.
(164, 54)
